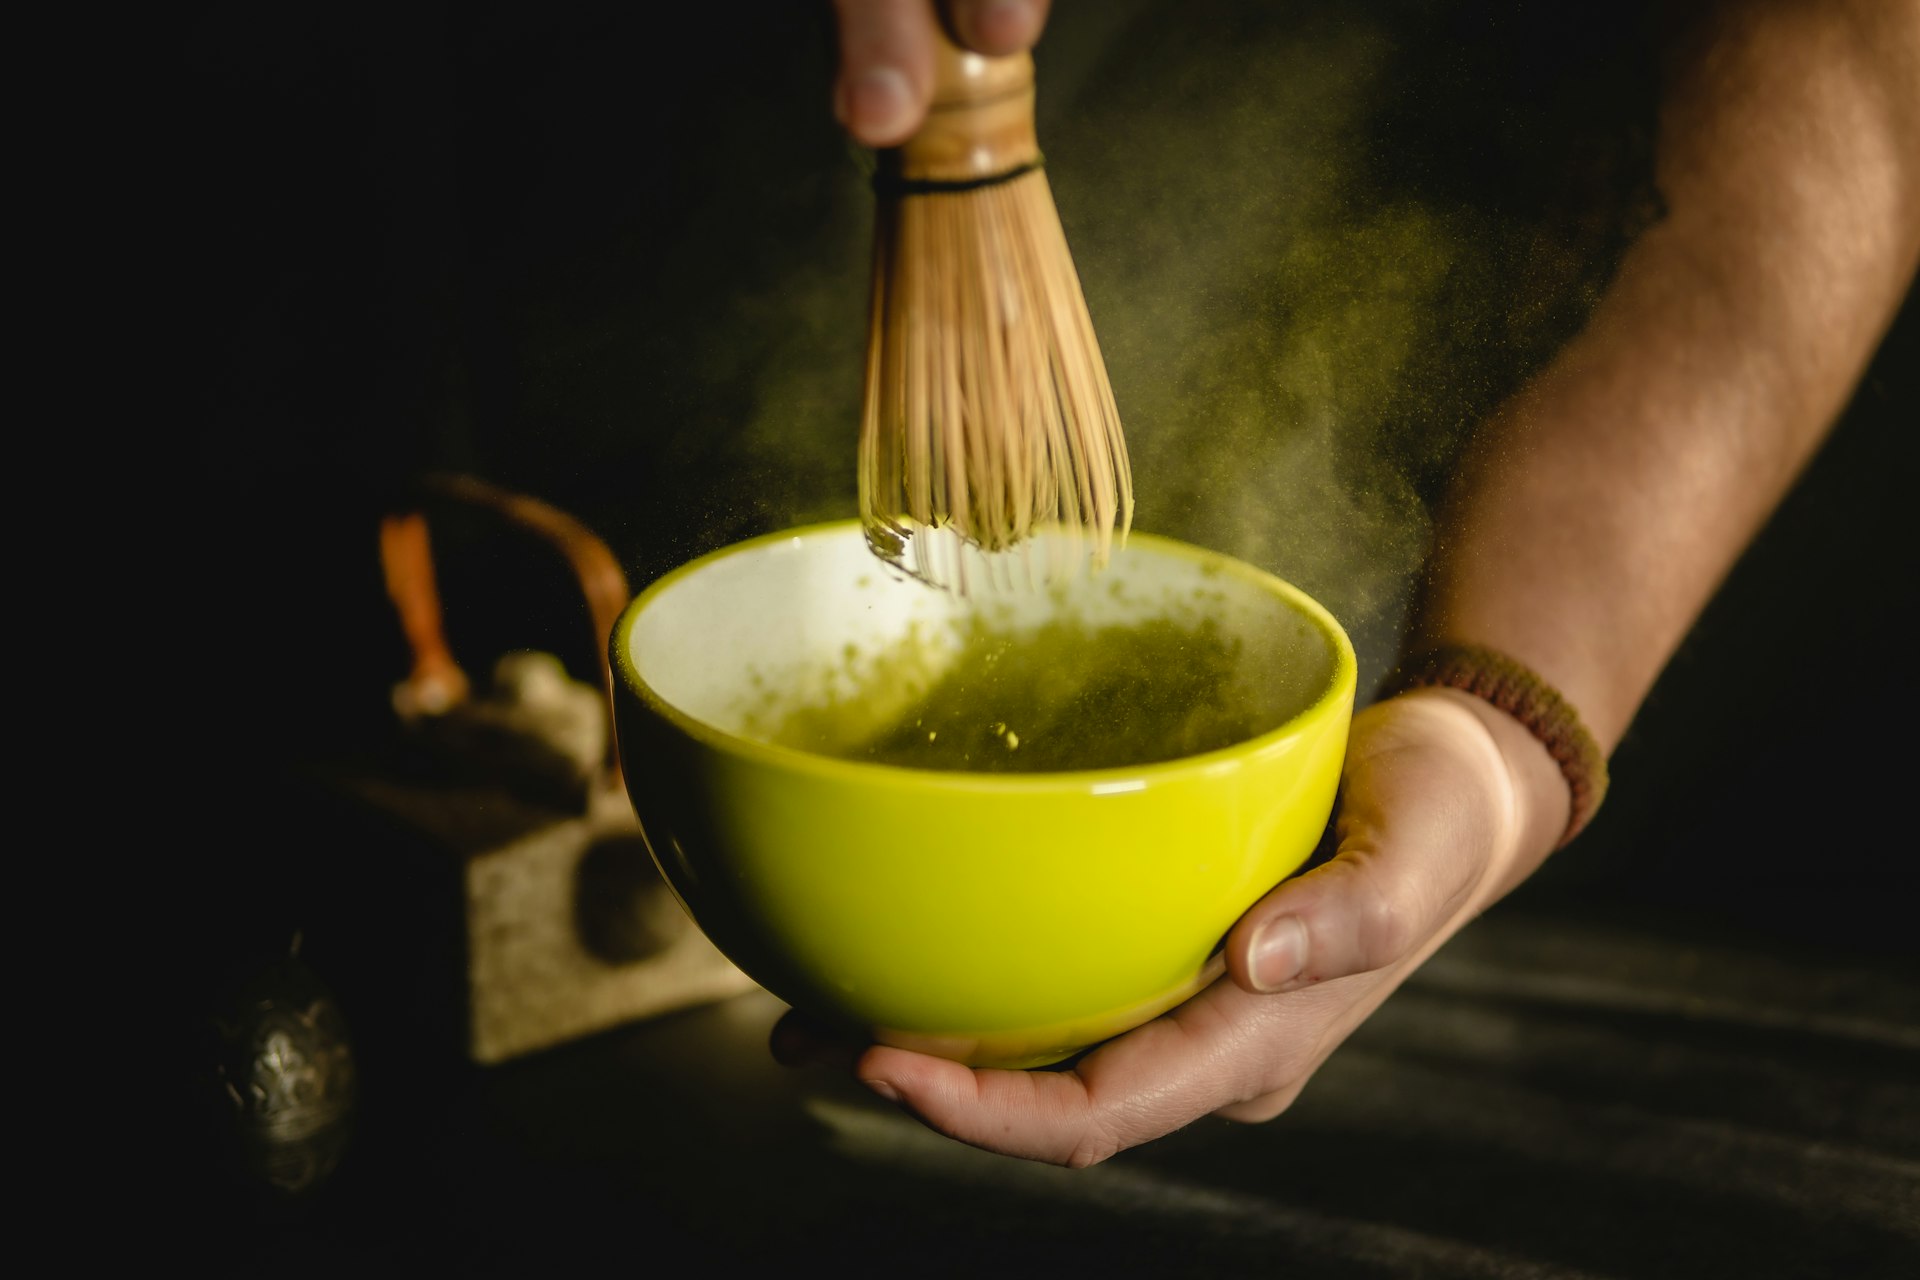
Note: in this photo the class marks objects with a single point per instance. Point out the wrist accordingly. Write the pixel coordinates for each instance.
(1475, 786)
(1520, 698)
(1526, 795)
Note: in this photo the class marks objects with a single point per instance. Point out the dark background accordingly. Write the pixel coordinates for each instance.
(557, 247)
(600, 258)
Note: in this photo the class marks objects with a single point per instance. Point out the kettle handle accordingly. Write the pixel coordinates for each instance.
(437, 682)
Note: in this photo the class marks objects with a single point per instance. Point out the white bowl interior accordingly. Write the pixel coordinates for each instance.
(740, 641)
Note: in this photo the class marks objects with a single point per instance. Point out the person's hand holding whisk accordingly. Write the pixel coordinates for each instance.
(885, 79)
(1596, 516)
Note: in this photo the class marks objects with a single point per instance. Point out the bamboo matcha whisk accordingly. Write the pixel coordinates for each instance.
(988, 415)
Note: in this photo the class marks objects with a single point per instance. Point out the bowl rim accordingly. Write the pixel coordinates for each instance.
(1336, 696)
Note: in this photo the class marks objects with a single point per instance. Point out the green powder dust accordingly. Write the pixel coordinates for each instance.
(1062, 696)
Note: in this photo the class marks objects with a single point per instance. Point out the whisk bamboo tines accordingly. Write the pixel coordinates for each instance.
(988, 414)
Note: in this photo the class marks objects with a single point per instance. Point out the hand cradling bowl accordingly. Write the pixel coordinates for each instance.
(999, 828)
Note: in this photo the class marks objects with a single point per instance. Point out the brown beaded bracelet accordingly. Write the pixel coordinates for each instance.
(1517, 690)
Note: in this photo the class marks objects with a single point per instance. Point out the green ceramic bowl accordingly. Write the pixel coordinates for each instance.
(1001, 919)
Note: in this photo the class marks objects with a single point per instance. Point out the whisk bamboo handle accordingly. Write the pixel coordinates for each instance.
(979, 125)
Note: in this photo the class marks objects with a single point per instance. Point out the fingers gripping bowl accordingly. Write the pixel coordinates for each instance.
(1183, 717)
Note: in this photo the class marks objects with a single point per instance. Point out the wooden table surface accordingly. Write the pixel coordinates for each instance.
(1550, 1096)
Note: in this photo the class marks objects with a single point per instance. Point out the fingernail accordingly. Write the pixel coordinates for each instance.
(884, 1089)
(1279, 952)
(878, 103)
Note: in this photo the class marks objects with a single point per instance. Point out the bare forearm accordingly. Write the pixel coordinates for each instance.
(1604, 504)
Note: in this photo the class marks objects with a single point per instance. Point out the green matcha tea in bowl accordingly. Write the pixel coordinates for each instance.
(998, 827)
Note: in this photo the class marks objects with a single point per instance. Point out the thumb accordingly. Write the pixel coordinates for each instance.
(886, 69)
(1427, 809)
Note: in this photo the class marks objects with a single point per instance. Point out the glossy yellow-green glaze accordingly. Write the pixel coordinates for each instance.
(1005, 920)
